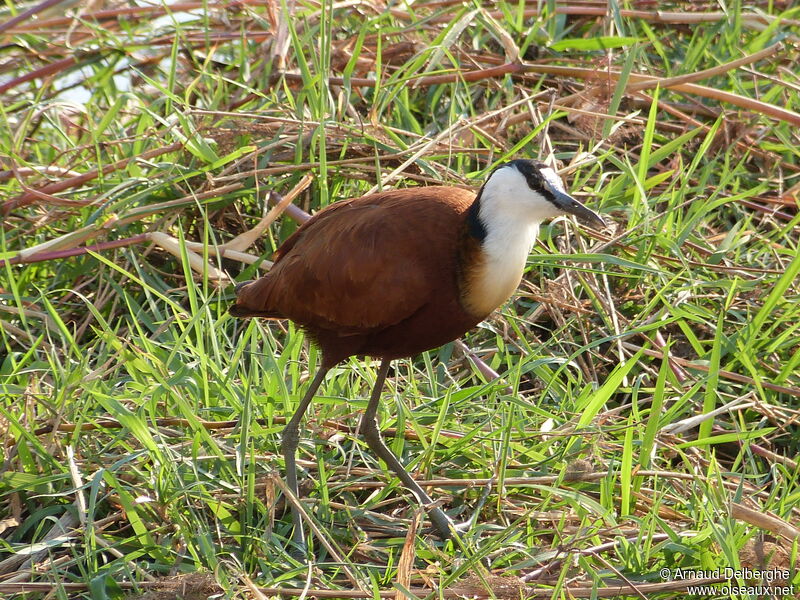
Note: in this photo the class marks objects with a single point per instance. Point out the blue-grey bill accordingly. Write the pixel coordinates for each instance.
(571, 206)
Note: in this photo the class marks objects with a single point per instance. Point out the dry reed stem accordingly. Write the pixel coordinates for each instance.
(791, 391)
(768, 522)
(770, 110)
(248, 238)
(73, 182)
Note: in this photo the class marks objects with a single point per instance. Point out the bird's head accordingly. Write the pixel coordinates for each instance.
(532, 192)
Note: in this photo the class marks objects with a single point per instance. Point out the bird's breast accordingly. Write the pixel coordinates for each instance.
(490, 270)
(489, 284)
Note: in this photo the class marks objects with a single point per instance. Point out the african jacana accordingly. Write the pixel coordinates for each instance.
(396, 273)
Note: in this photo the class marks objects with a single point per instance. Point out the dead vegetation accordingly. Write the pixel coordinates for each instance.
(647, 412)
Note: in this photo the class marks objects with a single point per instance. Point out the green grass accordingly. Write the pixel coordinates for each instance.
(117, 362)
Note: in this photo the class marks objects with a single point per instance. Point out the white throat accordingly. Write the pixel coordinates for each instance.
(511, 214)
(506, 247)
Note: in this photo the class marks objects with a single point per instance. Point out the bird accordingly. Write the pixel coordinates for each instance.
(392, 274)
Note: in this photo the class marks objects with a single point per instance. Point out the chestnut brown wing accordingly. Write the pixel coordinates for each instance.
(364, 264)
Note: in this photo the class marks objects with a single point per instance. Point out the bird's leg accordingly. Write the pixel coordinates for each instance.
(372, 435)
(289, 442)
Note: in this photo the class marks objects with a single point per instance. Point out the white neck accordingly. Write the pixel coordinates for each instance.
(506, 247)
(511, 220)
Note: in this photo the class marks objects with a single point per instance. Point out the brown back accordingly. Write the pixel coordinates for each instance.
(361, 267)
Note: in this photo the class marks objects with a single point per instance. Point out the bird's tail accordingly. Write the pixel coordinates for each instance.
(241, 285)
(242, 310)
